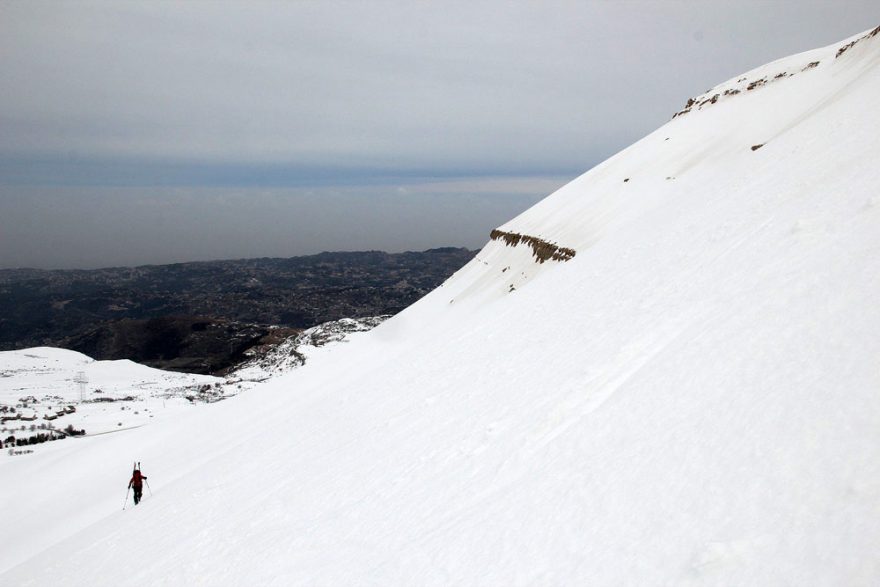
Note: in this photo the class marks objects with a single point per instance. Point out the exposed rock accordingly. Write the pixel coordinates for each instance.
(541, 249)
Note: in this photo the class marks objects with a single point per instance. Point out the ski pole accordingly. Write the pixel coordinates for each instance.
(126, 498)
(148, 486)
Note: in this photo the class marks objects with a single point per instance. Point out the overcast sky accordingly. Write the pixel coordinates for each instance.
(155, 132)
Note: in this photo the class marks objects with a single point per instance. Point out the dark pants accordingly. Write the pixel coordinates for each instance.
(137, 494)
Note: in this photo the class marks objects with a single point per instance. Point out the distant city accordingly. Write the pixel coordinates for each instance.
(201, 317)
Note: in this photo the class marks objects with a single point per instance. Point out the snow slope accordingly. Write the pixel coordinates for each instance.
(692, 399)
(118, 394)
(40, 391)
(293, 352)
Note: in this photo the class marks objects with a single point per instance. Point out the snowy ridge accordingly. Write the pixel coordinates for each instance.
(770, 73)
(293, 352)
(691, 400)
(784, 95)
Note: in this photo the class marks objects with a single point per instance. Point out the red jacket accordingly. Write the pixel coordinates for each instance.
(136, 479)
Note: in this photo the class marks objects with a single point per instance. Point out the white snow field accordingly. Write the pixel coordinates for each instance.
(118, 394)
(693, 399)
(39, 387)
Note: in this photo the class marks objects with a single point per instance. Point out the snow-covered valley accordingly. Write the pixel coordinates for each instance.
(665, 373)
(60, 393)
(44, 389)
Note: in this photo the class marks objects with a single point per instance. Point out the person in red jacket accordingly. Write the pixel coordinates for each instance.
(137, 482)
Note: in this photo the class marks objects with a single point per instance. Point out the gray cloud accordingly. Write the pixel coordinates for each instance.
(406, 85)
(291, 94)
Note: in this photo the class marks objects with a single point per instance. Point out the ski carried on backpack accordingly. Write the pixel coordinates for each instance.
(136, 471)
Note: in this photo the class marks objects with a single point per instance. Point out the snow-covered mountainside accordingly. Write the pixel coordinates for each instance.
(293, 352)
(45, 388)
(49, 394)
(664, 373)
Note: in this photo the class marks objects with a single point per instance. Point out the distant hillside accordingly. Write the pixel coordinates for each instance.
(200, 317)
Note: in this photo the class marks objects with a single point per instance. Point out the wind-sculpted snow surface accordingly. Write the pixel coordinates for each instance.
(691, 400)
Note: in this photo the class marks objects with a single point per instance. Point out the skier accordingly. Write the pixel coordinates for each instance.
(137, 482)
